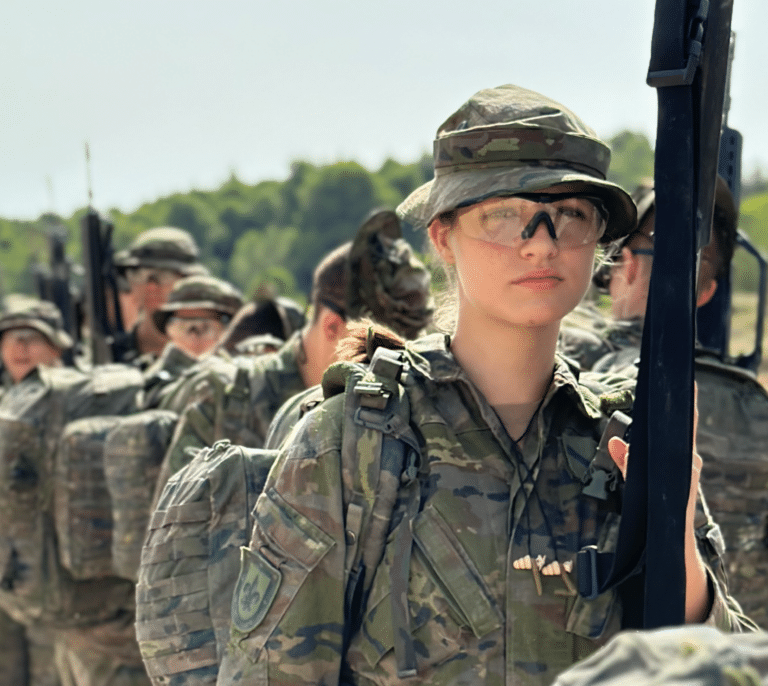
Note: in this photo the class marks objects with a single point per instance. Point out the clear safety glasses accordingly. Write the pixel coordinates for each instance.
(201, 327)
(571, 219)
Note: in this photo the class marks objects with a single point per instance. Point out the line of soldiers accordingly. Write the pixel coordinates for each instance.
(83, 447)
(105, 469)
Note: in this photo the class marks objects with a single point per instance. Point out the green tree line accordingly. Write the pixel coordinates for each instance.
(276, 231)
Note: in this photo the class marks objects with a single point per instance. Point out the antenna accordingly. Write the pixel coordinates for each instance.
(88, 174)
(51, 198)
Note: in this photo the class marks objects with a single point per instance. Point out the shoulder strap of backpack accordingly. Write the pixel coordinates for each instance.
(380, 457)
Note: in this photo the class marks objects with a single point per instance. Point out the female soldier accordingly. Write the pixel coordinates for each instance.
(471, 583)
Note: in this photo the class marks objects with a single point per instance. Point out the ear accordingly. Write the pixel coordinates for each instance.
(333, 326)
(706, 292)
(439, 234)
(630, 265)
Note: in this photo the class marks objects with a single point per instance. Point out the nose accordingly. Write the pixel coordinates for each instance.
(537, 242)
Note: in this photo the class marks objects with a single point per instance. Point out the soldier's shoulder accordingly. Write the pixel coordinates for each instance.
(683, 656)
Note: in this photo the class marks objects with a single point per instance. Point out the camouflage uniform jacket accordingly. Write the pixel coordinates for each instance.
(625, 336)
(602, 345)
(171, 364)
(479, 512)
(239, 405)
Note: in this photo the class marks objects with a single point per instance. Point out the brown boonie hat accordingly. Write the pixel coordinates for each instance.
(386, 281)
(199, 292)
(509, 140)
(26, 312)
(164, 247)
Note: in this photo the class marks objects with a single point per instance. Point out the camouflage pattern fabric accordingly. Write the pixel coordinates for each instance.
(199, 292)
(37, 588)
(489, 145)
(733, 442)
(133, 452)
(603, 345)
(105, 654)
(190, 563)
(164, 247)
(42, 665)
(682, 656)
(82, 506)
(239, 406)
(159, 376)
(487, 593)
(176, 394)
(13, 653)
(23, 311)
(387, 282)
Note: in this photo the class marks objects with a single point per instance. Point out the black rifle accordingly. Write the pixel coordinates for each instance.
(688, 68)
(55, 285)
(101, 288)
(713, 320)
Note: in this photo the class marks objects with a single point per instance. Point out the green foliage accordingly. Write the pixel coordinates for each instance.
(753, 220)
(277, 231)
(631, 159)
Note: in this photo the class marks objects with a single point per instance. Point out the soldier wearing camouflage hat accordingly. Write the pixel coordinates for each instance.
(31, 333)
(149, 268)
(194, 318)
(421, 524)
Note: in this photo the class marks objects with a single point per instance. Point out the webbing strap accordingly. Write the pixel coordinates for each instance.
(405, 654)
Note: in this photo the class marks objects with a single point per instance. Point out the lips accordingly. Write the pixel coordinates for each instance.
(539, 276)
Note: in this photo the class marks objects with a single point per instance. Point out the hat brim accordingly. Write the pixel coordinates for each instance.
(59, 339)
(467, 187)
(161, 316)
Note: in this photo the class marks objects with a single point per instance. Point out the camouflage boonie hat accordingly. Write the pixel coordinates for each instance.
(509, 140)
(26, 312)
(684, 656)
(386, 281)
(164, 247)
(199, 292)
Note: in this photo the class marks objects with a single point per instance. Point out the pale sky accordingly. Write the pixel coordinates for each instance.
(176, 94)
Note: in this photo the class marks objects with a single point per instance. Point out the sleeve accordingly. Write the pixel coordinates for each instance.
(288, 605)
(725, 612)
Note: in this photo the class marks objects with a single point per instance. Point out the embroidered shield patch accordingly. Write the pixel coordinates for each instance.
(255, 591)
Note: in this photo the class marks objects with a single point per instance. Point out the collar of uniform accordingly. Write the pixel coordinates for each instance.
(432, 357)
(291, 350)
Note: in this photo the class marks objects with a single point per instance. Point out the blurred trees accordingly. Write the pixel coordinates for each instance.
(277, 231)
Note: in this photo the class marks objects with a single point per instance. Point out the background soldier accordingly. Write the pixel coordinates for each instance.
(194, 318)
(31, 334)
(151, 265)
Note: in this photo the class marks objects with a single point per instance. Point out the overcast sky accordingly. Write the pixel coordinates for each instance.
(176, 94)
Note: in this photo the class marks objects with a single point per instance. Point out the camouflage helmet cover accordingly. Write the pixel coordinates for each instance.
(508, 140)
(26, 312)
(199, 292)
(386, 281)
(164, 247)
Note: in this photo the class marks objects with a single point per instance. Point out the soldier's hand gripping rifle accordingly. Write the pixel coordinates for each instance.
(688, 67)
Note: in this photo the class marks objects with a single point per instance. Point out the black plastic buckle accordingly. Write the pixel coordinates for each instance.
(684, 77)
